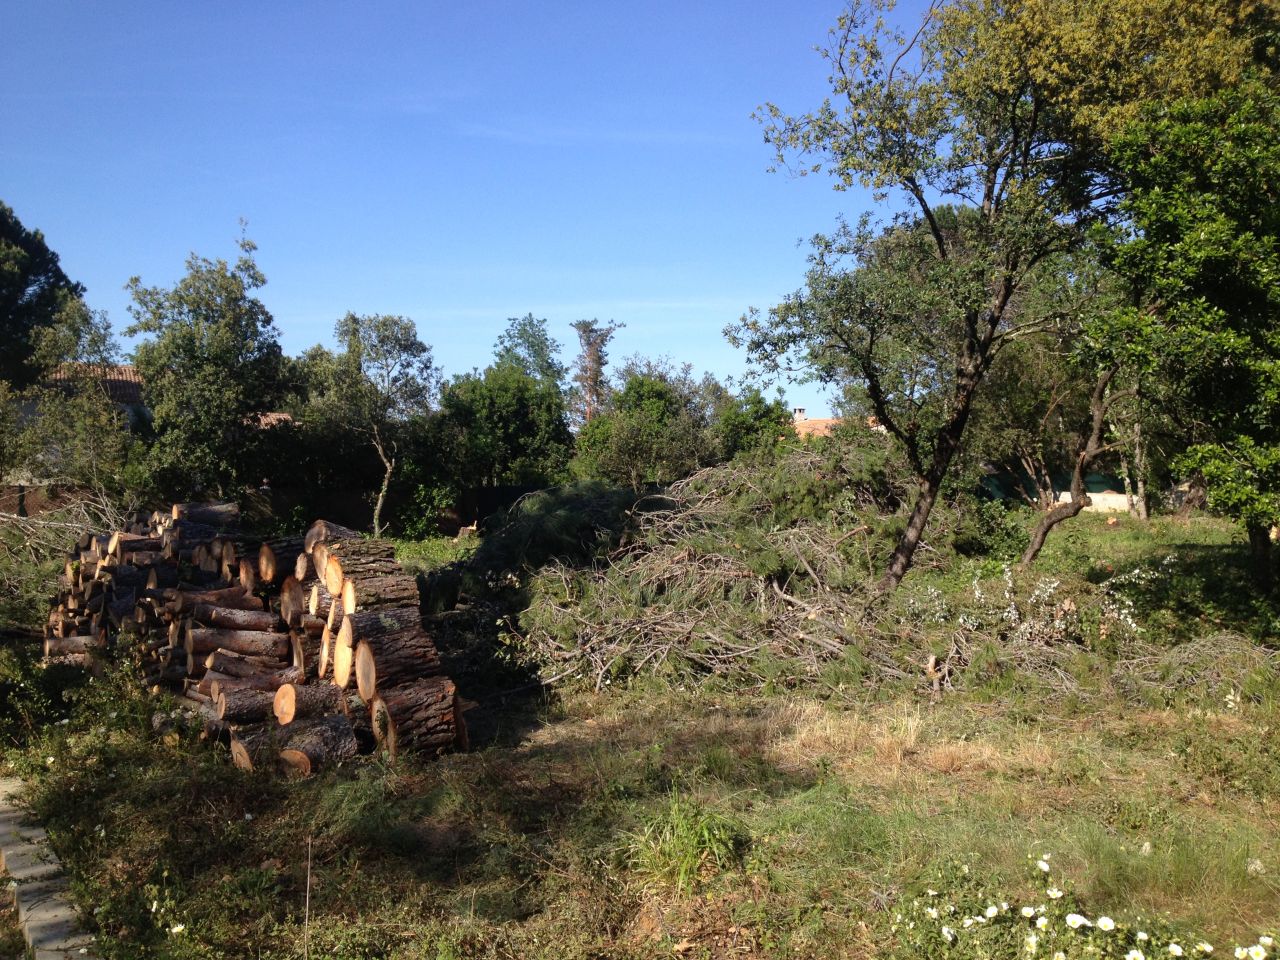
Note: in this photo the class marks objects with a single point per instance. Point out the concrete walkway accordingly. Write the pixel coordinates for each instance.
(39, 887)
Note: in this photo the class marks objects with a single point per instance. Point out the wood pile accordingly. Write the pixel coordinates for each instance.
(299, 651)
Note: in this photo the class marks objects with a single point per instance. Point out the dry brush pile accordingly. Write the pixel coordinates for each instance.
(299, 651)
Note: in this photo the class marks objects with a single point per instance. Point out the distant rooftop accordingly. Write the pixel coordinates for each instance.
(122, 382)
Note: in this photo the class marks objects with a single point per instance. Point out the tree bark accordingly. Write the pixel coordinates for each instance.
(314, 746)
(375, 625)
(395, 590)
(234, 664)
(225, 516)
(266, 682)
(421, 716)
(392, 659)
(184, 601)
(244, 705)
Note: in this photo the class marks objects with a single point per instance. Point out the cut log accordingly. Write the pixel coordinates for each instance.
(396, 589)
(376, 623)
(315, 746)
(214, 616)
(255, 750)
(323, 531)
(61, 646)
(248, 576)
(421, 716)
(320, 600)
(254, 643)
(239, 665)
(377, 557)
(278, 558)
(244, 705)
(295, 700)
(394, 660)
(268, 682)
(224, 516)
(292, 605)
(236, 597)
(311, 626)
(205, 686)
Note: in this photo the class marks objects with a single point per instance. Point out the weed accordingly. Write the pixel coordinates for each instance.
(687, 844)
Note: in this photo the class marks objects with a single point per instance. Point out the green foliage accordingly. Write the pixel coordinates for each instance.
(503, 428)
(990, 528)
(34, 292)
(527, 345)
(1204, 251)
(212, 366)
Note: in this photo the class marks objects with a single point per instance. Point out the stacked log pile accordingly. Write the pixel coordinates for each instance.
(300, 651)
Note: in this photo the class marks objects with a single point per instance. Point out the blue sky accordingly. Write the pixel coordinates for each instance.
(455, 163)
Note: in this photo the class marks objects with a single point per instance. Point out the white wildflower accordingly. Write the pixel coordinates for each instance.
(1254, 867)
(1043, 865)
(992, 911)
(948, 934)
(1175, 950)
(1135, 954)
(932, 913)
(1053, 893)
(1266, 941)
(177, 928)
(1204, 947)
(1042, 923)
(1257, 952)
(1033, 942)
(1075, 921)
(1146, 848)
(1106, 923)
(932, 893)
(1028, 912)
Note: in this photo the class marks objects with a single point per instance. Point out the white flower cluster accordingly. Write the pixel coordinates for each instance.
(1046, 928)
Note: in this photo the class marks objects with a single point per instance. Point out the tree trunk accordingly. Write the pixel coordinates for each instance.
(314, 746)
(1260, 557)
(1140, 471)
(362, 557)
(222, 515)
(1129, 498)
(900, 561)
(293, 701)
(1099, 404)
(421, 716)
(266, 682)
(389, 466)
(235, 597)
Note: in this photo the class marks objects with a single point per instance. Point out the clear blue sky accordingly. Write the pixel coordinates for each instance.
(456, 163)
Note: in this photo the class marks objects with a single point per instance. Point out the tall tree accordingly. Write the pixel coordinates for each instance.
(504, 427)
(1203, 252)
(527, 345)
(211, 368)
(383, 377)
(33, 292)
(591, 384)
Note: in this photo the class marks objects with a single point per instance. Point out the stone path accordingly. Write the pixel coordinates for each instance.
(39, 887)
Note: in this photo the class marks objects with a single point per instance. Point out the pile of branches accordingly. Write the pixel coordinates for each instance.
(707, 581)
(301, 651)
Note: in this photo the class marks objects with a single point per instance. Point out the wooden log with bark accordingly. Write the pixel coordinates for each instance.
(244, 705)
(281, 557)
(254, 643)
(310, 747)
(324, 531)
(223, 516)
(216, 616)
(293, 701)
(421, 716)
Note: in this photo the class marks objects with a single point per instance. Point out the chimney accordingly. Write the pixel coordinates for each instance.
(798, 414)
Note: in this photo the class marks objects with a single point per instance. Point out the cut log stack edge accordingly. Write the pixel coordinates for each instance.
(298, 651)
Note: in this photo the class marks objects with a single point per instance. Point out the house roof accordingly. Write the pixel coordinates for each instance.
(122, 382)
(816, 427)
